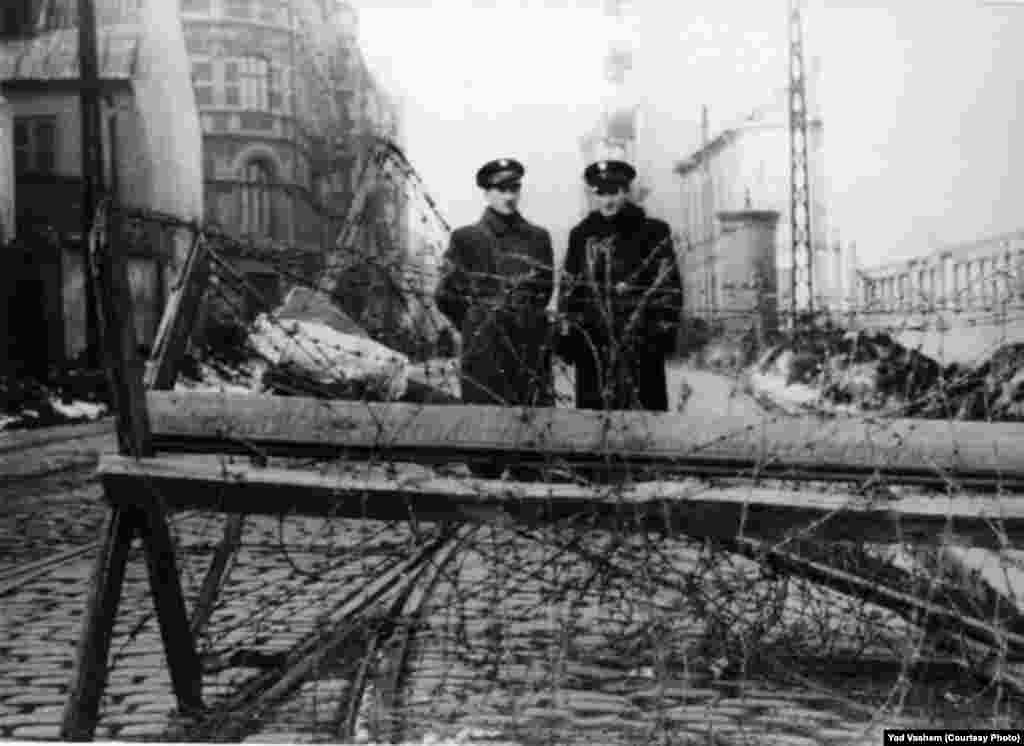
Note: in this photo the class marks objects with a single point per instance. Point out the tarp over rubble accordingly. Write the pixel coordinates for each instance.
(307, 347)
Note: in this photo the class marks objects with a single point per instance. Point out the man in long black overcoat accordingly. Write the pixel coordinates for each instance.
(622, 295)
(495, 288)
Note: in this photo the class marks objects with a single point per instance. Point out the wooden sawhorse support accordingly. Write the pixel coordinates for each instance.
(147, 521)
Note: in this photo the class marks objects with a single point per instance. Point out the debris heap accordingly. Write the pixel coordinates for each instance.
(837, 371)
(307, 347)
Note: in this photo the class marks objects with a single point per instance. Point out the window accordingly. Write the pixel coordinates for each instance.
(271, 11)
(256, 198)
(35, 145)
(16, 18)
(115, 11)
(255, 79)
(202, 82)
(232, 84)
(238, 8)
(275, 97)
(60, 15)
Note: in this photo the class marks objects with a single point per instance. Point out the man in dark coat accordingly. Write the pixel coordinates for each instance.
(495, 287)
(622, 296)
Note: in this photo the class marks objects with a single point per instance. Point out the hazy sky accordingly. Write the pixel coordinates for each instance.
(919, 99)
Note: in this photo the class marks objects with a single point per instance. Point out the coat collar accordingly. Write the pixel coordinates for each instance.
(628, 217)
(500, 225)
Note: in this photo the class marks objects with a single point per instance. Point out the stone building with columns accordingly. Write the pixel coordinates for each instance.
(976, 276)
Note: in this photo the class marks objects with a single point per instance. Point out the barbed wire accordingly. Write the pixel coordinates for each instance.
(525, 622)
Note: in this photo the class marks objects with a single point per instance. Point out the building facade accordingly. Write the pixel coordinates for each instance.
(741, 169)
(976, 276)
(39, 79)
(281, 105)
(286, 103)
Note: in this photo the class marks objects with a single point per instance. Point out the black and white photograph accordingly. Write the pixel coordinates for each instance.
(521, 372)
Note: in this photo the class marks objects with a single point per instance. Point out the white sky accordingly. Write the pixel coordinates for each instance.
(920, 101)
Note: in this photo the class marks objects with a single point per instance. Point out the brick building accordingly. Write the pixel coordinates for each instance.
(140, 69)
(281, 103)
(286, 102)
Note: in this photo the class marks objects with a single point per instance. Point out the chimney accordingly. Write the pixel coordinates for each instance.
(705, 129)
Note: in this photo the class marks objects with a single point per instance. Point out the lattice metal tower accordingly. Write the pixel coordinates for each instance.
(615, 134)
(802, 274)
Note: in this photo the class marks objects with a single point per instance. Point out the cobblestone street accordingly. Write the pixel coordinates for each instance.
(515, 644)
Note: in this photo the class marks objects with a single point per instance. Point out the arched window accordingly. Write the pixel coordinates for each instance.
(257, 178)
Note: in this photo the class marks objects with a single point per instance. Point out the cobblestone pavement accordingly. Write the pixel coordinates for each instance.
(515, 648)
(518, 643)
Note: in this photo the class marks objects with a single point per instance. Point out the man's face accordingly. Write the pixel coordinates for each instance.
(504, 198)
(610, 199)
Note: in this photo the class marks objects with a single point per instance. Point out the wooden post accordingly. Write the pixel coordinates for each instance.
(119, 345)
(92, 160)
(81, 711)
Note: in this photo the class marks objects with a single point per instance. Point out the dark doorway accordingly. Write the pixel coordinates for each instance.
(28, 332)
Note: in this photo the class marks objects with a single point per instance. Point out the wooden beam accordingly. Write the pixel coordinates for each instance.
(119, 343)
(82, 709)
(672, 507)
(223, 556)
(165, 582)
(937, 453)
(145, 517)
(179, 317)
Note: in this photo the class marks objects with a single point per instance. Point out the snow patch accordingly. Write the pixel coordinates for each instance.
(79, 409)
(793, 398)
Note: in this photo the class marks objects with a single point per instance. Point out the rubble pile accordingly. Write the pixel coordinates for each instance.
(836, 371)
(340, 365)
(993, 390)
(307, 347)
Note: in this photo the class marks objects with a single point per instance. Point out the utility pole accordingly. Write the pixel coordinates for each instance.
(92, 161)
(802, 275)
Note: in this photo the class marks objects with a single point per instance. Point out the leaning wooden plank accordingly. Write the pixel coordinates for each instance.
(223, 556)
(673, 507)
(967, 454)
(179, 318)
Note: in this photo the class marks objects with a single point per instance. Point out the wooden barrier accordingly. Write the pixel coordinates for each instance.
(142, 487)
(124, 375)
(673, 507)
(938, 453)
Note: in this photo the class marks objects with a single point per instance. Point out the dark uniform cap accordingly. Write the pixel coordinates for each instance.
(497, 172)
(609, 173)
